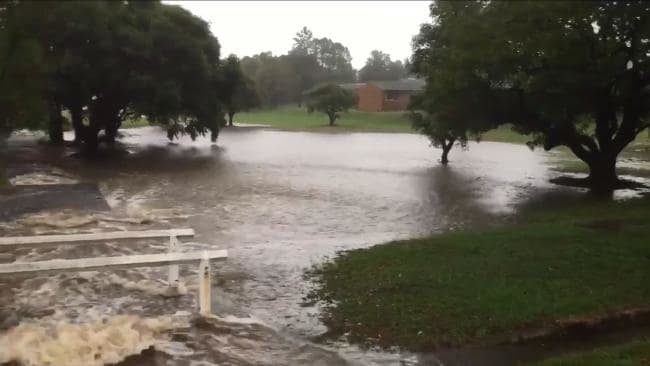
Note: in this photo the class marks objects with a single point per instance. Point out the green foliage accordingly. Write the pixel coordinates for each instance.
(379, 67)
(330, 99)
(475, 286)
(108, 61)
(276, 80)
(548, 68)
(22, 70)
(333, 57)
(238, 91)
(446, 119)
(283, 79)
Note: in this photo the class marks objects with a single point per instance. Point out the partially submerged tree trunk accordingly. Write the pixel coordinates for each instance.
(332, 117)
(602, 174)
(600, 152)
(446, 147)
(214, 134)
(76, 114)
(90, 140)
(110, 132)
(231, 114)
(55, 128)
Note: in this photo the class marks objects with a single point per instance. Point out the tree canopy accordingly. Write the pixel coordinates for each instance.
(572, 74)
(22, 69)
(238, 91)
(283, 79)
(105, 61)
(380, 67)
(330, 99)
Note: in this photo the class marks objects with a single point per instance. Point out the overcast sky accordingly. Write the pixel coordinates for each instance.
(249, 27)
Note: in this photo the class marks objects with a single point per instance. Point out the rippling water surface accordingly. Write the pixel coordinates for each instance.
(278, 201)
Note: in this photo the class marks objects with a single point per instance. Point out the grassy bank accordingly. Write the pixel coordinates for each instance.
(480, 287)
(636, 353)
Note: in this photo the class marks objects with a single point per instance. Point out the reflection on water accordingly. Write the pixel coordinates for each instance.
(280, 202)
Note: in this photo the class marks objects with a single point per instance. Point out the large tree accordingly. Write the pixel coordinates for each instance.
(336, 60)
(238, 90)
(333, 57)
(330, 99)
(23, 71)
(447, 121)
(107, 61)
(380, 67)
(574, 74)
(283, 79)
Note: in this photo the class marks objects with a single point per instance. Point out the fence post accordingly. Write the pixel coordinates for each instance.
(205, 286)
(173, 269)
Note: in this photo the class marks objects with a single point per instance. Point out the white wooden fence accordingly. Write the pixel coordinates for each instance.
(172, 258)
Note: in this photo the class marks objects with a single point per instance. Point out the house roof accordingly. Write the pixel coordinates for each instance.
(410, 84)
(352, 86)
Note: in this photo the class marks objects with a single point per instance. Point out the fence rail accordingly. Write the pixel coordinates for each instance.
(172, 258)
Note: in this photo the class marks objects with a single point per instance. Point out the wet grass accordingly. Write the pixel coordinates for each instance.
(635, 353)
(633, 161)
(135, 122)
(297, 119)
(505, 134)
(487, 286)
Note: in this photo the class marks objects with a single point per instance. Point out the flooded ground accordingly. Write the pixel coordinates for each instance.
(280, 202)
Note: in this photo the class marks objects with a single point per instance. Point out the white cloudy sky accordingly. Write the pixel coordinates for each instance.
(249, 27)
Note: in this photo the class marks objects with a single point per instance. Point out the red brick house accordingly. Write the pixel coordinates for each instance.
(382, 96)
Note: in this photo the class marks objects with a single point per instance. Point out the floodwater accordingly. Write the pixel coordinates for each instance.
(280, 202)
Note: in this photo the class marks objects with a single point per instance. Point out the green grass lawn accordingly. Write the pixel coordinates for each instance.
(632, 354)
(292, 118)
(486, 286)
(135, 122)
(297, 119)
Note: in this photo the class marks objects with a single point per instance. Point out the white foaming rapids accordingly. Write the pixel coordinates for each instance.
(42, 178)
(82, 344)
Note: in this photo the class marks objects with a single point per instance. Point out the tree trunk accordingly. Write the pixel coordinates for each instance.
(332, 117)
(76, 113)
(602, 174)
(446, 147)
(214, 134)
(110, 132)
(55, 128)
(91, 140)
(230, 117)
(444, 160)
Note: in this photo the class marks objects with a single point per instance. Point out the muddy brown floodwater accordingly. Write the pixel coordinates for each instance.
(280, 202)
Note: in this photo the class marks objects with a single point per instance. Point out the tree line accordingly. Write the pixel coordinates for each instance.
(312, 61)
(105, 62)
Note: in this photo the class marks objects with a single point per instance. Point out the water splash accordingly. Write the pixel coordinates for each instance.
(93, 344)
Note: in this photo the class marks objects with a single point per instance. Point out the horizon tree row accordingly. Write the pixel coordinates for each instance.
(312, 62)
